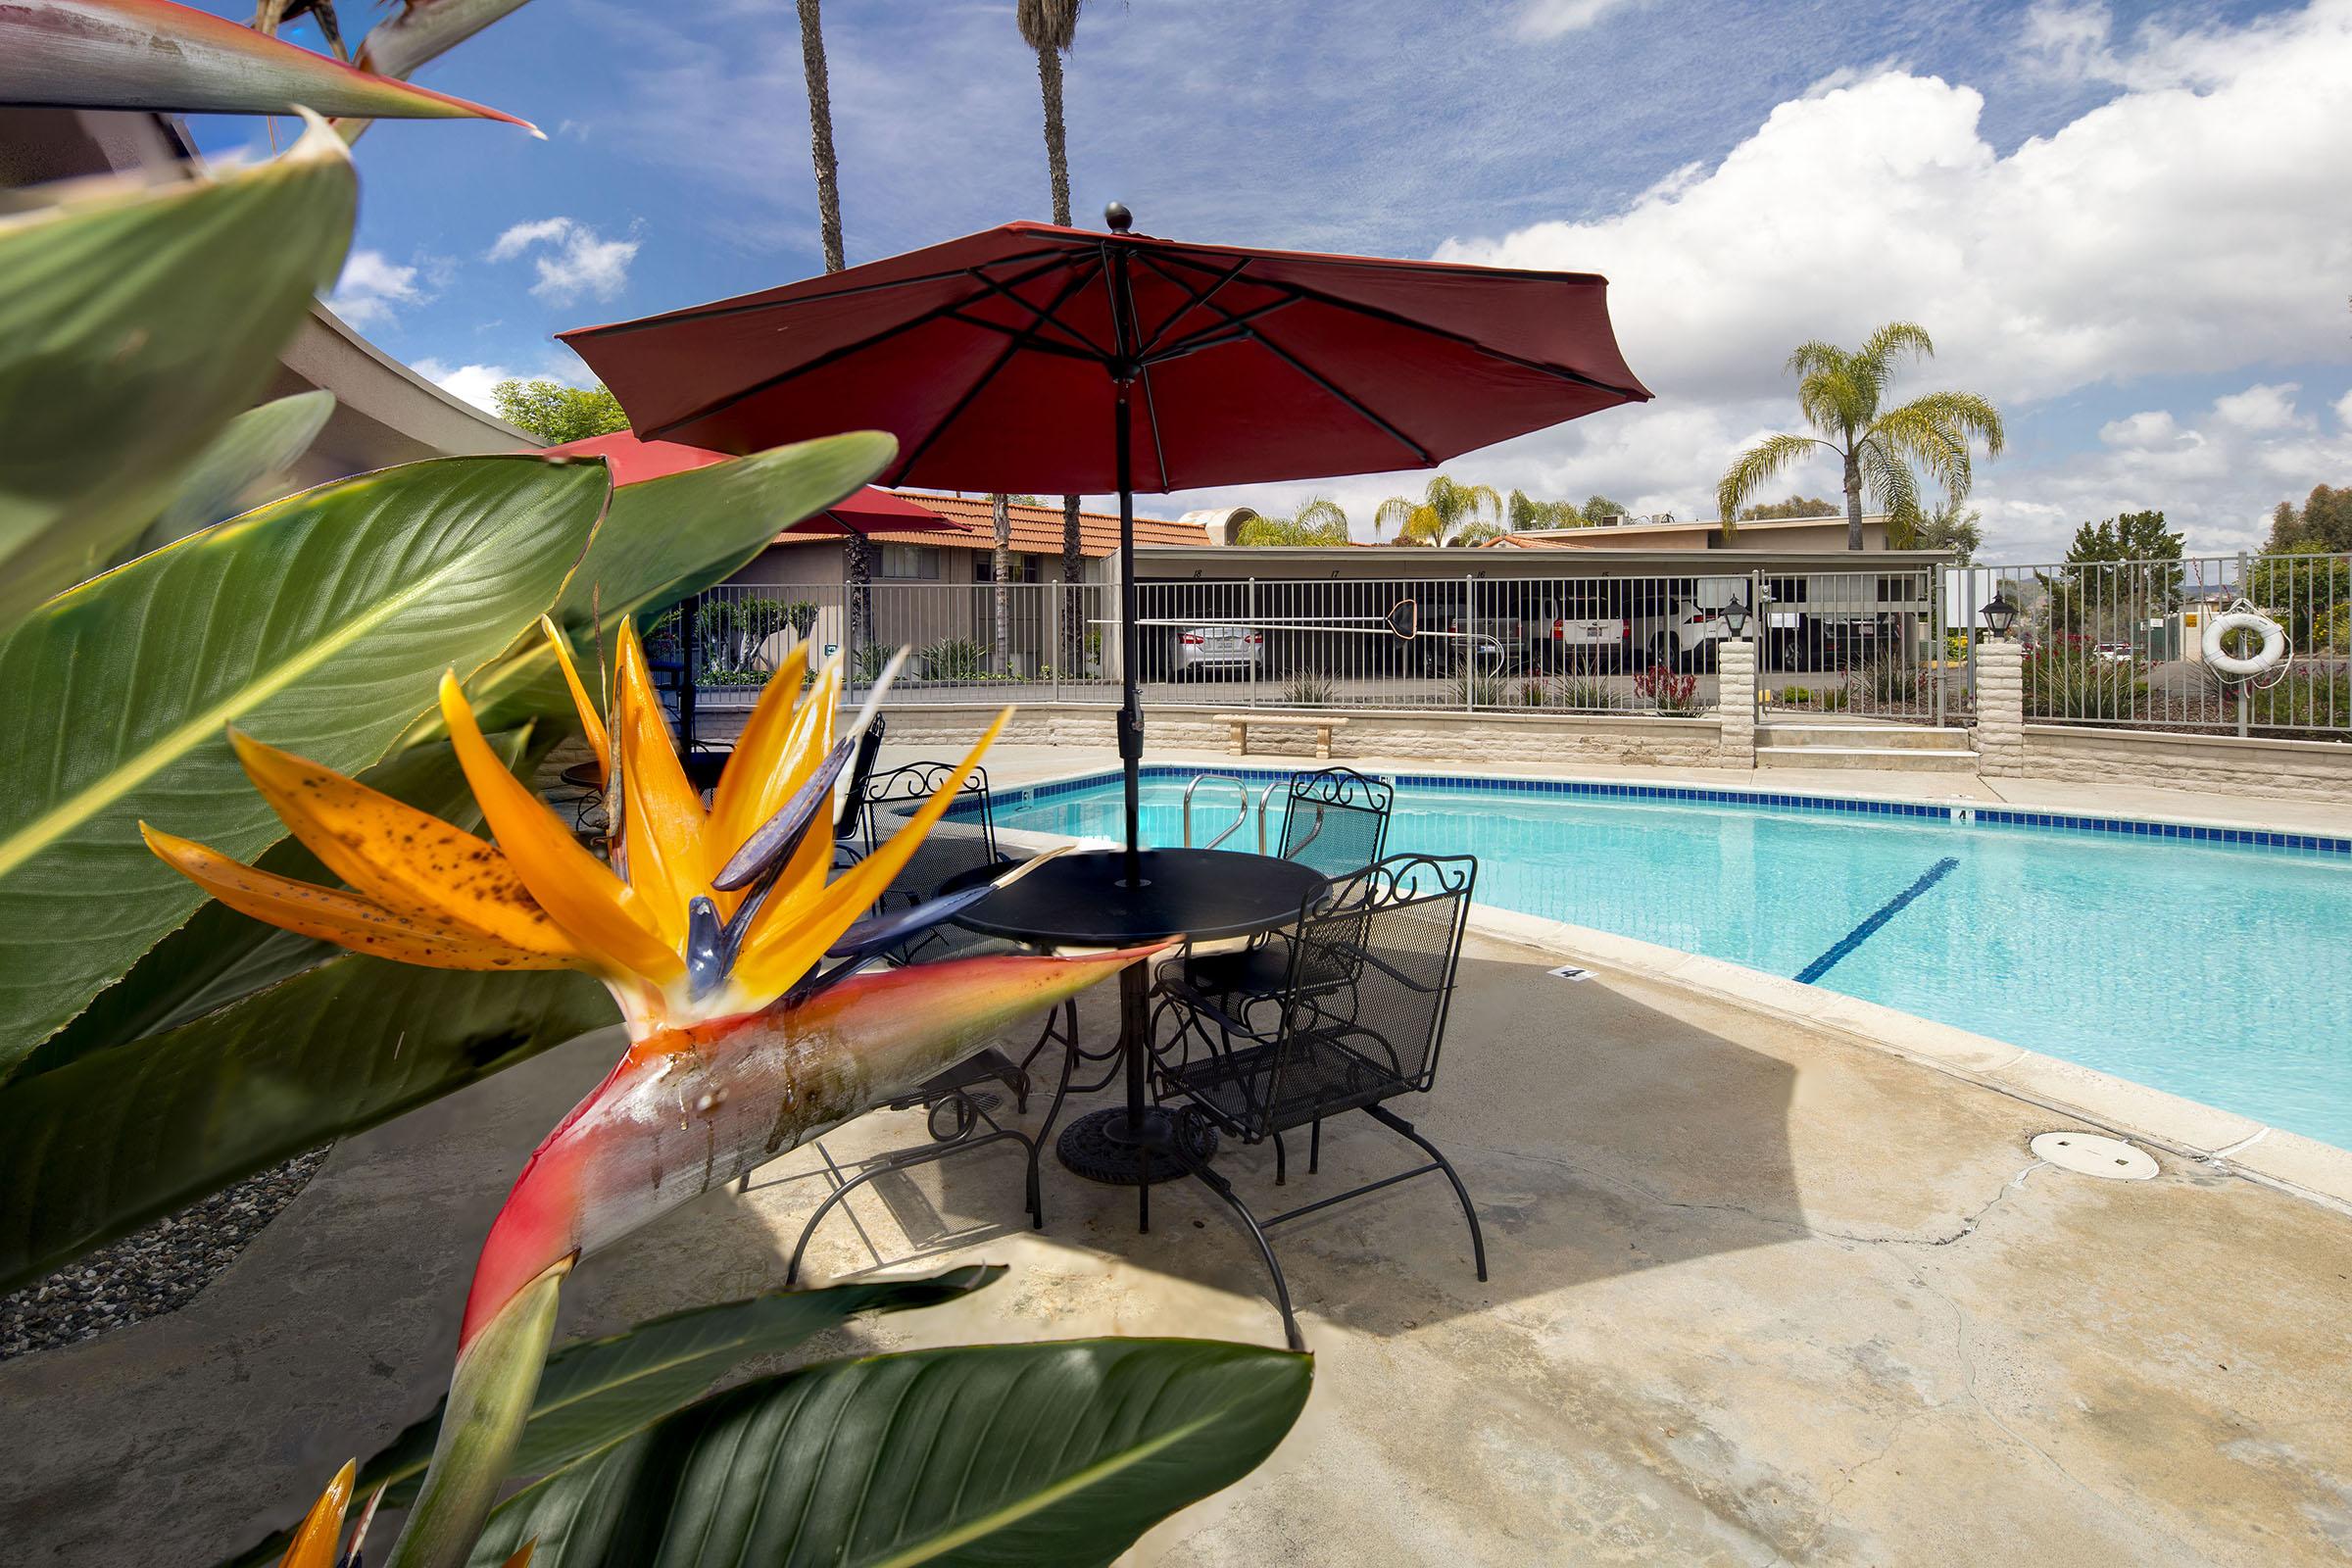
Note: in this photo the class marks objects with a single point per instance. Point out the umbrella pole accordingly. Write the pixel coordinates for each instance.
(1131, 703)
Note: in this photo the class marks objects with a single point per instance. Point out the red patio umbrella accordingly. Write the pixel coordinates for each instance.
(634, 460)
(1036, 358)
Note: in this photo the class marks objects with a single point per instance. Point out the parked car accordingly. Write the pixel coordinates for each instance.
(1217, 648)
(1596, 642)
(1684, 636)
(2111, 652)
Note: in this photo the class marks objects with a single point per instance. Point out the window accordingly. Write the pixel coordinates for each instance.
(911, 561)
(984, 567)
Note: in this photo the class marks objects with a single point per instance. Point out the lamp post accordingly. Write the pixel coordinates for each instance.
(1735, 618)
(2000, 612)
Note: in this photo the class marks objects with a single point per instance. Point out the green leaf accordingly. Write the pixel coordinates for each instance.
(598, 1391)
(1037, 1454)
(96, 1148)
(221, 957)
(257, 447)
(109, 54)
(135, 322)
(319, 623)
(663, 540)
(489, 1399)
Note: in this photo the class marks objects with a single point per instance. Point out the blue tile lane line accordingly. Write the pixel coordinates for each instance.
(1878, 917)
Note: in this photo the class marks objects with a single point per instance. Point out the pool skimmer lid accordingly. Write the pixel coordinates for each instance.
(2090, 1154)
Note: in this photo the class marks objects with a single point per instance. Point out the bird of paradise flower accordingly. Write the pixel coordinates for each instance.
(741, 965)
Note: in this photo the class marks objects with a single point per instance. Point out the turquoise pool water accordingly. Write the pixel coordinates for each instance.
(2218, 971)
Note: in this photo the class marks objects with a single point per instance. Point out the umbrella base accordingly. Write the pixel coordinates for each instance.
(1102, 1146)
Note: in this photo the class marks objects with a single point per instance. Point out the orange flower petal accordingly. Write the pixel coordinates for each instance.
(321, 1529)
(592, 724)
(756, 747)
(662, 813)
(403, 859)
(790, 936)
(575, 888)
(344, 918)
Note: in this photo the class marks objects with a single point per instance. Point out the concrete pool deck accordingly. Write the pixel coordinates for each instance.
(1759, 1295)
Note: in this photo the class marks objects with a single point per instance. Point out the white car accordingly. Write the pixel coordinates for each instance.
(1218, 646)
(1686, 635)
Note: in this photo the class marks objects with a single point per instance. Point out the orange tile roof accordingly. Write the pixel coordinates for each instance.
(1036, 528)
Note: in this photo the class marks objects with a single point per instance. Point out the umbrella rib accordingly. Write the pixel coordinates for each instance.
(1077, 280)
(1379, 313)
(1194, 298)
(741, 394)
(1243, 331)
(723, 309)
(1040, 317)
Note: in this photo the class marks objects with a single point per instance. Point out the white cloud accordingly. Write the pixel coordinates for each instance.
(576, 259)
(2261, 407)
(471, 382)
(372, 288)
(1548, 19)
(2191, 225)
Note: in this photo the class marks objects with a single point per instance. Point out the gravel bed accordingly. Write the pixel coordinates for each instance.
(155, 1270)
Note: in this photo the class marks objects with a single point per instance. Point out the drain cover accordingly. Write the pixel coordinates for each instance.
(2090, 1154)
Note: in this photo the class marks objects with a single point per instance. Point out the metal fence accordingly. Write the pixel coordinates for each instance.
(2125, 643)
(2115, 643)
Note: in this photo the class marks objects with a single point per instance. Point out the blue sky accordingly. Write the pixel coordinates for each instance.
(2123, 223)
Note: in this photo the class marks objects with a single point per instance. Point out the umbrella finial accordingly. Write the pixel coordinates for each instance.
(1118, 217)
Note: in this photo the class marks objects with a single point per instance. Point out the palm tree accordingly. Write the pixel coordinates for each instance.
(1840, 393)
(1319, 521)
(857, 552)
(1523, 511)
(821, 133)
(1000, 515)
(1049, 27)
(1447, 513)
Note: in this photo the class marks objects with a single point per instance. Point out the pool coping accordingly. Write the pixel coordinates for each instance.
(2222, 1141)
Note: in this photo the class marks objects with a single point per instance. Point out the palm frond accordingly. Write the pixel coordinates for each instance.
(1757, 468)
(1321, 513)
(1394, 513)
(1887, 480)
(1048, 24)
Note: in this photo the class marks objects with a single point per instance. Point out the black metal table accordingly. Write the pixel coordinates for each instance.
(702, 771)
(1084, 900)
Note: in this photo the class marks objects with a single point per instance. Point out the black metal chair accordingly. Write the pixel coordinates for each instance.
(966, 840)
(1357, 1021)
(1335, 820)
(952, 1093)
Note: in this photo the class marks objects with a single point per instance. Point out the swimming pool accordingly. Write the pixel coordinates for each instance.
(2212, 963)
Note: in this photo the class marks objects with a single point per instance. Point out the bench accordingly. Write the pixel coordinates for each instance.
(1237, 740)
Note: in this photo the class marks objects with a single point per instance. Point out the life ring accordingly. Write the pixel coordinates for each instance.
(2272, 650)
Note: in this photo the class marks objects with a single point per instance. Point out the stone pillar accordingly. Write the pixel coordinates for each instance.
(2000, 709)
(1736, 701)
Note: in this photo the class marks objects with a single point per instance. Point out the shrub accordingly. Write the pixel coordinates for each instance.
(1585, 693)
(2064, 680)
(1674, 695)
(954, 659)
(1886, 681)
(1309, 688)
(1534, 694)
(1473, 688)
(1829, 699)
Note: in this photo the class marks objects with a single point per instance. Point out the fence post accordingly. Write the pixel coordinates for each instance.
(1736, 699)
(1937, 642)
(1265, 644)
(2001, 709)
(1968, 621)
(1759, 620)
(2244, 688)
(1470, 642)
(1053, 637)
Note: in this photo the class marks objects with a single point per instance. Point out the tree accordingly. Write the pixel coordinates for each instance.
(1319, 521)
(1948, 527)
(2117, 573)
(1050, 27)
(857, 552)
(1794, 507)
(1523, 511)
(1000, 513)
(556, 412)
(821, 133)
(1600, 508)
(2325, 522)
(1840, 393)
(1448, 513)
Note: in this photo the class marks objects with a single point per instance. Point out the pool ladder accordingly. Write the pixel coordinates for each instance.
(1265, 808)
